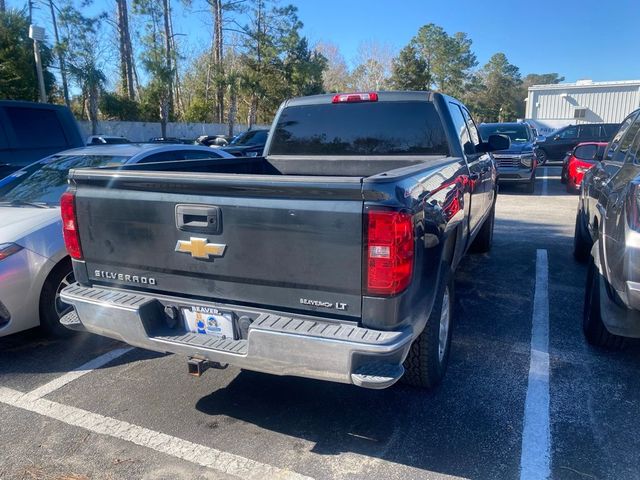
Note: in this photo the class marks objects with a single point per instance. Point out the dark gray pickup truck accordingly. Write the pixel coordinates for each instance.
(331, 257)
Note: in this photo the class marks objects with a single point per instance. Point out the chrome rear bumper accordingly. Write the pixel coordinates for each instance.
(276, 343)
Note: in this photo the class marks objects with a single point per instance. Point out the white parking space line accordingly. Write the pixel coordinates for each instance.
(191, 452)
(545, 181)
(536, 437)
(91, 365)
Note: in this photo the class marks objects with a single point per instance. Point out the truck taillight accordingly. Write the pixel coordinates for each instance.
(355, 97)
(389, 252)
(70, 225)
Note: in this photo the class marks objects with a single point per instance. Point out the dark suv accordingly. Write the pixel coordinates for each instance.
(556, 145)
(30, 131)
(607, 234)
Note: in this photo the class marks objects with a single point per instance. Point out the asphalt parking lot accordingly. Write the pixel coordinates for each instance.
(141, 416)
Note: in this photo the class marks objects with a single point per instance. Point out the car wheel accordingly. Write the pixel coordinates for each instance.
(592, 325)
(52, 308)
(563, 175)
(483, 241)
(542, 156)
(426, 363)
(581, 242)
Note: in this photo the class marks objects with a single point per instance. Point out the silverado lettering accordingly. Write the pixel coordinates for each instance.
(124, 277)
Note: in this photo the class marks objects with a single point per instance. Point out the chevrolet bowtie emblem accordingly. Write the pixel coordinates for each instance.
(200, 248)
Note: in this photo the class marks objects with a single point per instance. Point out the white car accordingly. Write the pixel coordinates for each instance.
(34, 265)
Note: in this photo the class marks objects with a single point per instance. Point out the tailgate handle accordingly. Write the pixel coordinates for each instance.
(199, 218)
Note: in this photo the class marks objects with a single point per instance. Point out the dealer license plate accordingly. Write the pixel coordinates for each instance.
(209, 321)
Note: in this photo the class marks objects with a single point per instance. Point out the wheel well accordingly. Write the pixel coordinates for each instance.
(64, 263)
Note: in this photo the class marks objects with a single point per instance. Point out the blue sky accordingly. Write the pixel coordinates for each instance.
(593, 39)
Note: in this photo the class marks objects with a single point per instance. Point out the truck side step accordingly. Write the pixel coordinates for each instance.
(377, 375)
(72, 322)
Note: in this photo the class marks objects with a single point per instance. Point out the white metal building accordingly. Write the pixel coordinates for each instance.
(550, 107)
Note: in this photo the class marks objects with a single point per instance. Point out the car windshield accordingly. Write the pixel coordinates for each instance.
(45, 181)
(517, 133)
(252, 137)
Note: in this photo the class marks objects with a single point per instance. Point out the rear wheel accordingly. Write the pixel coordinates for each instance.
(52, 308)
(427, 361)
(581, 243)
(483, 241)
(592, 325)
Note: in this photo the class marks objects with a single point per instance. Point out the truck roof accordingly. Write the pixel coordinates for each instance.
(383, 96)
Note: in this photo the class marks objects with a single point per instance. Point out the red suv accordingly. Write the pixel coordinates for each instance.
(578, 161)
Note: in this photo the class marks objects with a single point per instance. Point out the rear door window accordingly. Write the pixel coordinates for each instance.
(608, 130)
(36, 128)
(368, 128)
(589, 132)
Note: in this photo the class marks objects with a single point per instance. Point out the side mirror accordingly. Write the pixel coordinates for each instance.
(540, 138)
(495, 143)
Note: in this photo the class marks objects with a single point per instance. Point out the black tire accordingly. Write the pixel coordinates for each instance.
(51, 307)
(581, 242)
(542, 156)
(426, 365)
(484, 239)
(563, 175)
(592, 325)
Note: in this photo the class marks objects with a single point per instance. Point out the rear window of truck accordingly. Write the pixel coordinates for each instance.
(368, 128)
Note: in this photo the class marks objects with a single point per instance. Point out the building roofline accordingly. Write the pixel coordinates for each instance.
(560, 86)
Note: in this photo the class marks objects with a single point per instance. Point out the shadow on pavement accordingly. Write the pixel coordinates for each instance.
(31, 358)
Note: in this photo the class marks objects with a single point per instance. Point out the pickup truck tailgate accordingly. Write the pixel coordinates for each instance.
(287, 244)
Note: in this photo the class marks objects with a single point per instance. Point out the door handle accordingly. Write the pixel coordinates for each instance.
(199, 218)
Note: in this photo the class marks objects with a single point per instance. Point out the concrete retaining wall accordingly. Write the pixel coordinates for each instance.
(143, 131)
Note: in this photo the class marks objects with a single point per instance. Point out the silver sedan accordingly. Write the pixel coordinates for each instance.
(34, 265)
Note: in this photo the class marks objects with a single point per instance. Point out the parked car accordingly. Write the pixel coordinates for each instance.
(518, 163)
(214, 141)
(332, 257)
(106, 140)
(172, 140)
(34, 265)
(578, 161)
(248, 144)
(607, 234)
(555, 146)
(30, 131)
